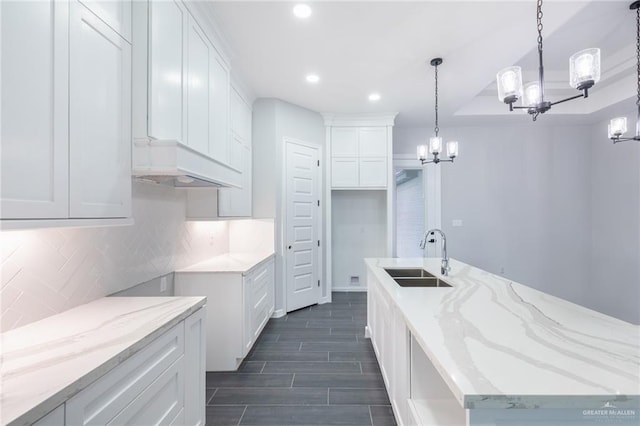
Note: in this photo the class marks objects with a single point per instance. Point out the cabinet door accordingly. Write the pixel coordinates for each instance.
(372, 142)
(219, 118)
(167, 92)
(116, 14)
(344, 172)
(237, 201)
(240, 118)
(34, 111)
(373, 172)
(198, 89)
(194, 368)
(100, 118)
(344, 142)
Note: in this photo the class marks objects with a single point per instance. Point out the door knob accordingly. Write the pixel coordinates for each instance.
(289, 247)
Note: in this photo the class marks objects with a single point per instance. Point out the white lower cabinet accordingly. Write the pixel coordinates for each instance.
(418, 394)
(162, 384)
(239, 306)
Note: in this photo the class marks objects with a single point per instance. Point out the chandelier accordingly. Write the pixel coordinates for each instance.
(584, 72)
(618, 125)
(435, 142)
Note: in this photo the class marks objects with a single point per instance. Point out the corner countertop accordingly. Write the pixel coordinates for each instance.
(229, 262)
(47, 362)
(500, 344)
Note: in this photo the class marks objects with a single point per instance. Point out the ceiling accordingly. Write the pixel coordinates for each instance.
(385, 46)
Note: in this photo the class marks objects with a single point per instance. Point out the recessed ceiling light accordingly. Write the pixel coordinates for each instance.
(302, 11)
(313, 78)
(374, 97)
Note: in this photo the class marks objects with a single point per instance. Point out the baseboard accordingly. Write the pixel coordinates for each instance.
(278, 313)
(350, 289)
(324, 300)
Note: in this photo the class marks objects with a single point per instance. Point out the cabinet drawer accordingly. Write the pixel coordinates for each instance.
(260, 285)
(103, 400)
(160, 403)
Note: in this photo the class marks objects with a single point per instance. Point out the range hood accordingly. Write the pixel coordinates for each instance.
(173, 163)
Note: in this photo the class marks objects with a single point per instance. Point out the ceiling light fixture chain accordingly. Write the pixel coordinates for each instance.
(584, 72)
(435, 142)
(540, 26)
(437, 129)
(618, 125)
(638, 55)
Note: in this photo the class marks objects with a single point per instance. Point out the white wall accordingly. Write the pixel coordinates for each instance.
(359, 230)
(536, 200)
(47, 271)
(274, 120)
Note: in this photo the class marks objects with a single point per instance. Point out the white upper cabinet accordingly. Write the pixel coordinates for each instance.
(237, 202)
(100, 118)
(66, 108)
(219, 115)
(168, 24)
(35, 99)
(181, 86)
(197, 89)
(359, 157)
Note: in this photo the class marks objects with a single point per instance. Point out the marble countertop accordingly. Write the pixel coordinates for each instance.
(229, 262)
(500, 344)
(47, 362)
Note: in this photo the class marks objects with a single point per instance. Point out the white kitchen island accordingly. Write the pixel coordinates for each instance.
(491, 351)
(116, 360)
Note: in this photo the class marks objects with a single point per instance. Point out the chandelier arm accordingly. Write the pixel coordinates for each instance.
(581, 95)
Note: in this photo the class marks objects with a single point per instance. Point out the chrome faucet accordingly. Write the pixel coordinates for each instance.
(444, 268)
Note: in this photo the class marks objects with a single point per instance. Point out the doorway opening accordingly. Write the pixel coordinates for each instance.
(410, 211)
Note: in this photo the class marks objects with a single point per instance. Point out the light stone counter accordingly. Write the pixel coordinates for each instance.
(229, 262)
(46, 362)
(500, 344)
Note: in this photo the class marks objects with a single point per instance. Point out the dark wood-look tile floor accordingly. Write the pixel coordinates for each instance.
(311, 367)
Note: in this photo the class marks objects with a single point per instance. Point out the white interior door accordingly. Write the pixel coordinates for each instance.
(302, 228)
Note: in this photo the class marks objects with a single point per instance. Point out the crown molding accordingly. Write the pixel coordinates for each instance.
(358, 120)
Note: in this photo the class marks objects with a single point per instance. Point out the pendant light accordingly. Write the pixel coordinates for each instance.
(435, 142)
(584, 72)
(618, 125)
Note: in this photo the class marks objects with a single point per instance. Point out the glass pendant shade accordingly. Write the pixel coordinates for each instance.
(584, 68)
(509, 84)
(617, 127)
(422, 152)
(531, 96)
(452, 149)
(435, 145)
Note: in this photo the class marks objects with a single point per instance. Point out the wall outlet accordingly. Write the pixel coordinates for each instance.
(502, 270)
(163, 284)
(456, 223)
(355, 281)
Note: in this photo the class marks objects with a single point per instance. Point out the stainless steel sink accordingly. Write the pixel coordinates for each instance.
(420, 282)
(408, 272)
(415, 277)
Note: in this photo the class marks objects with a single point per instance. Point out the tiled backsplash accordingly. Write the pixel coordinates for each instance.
(47, 271)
